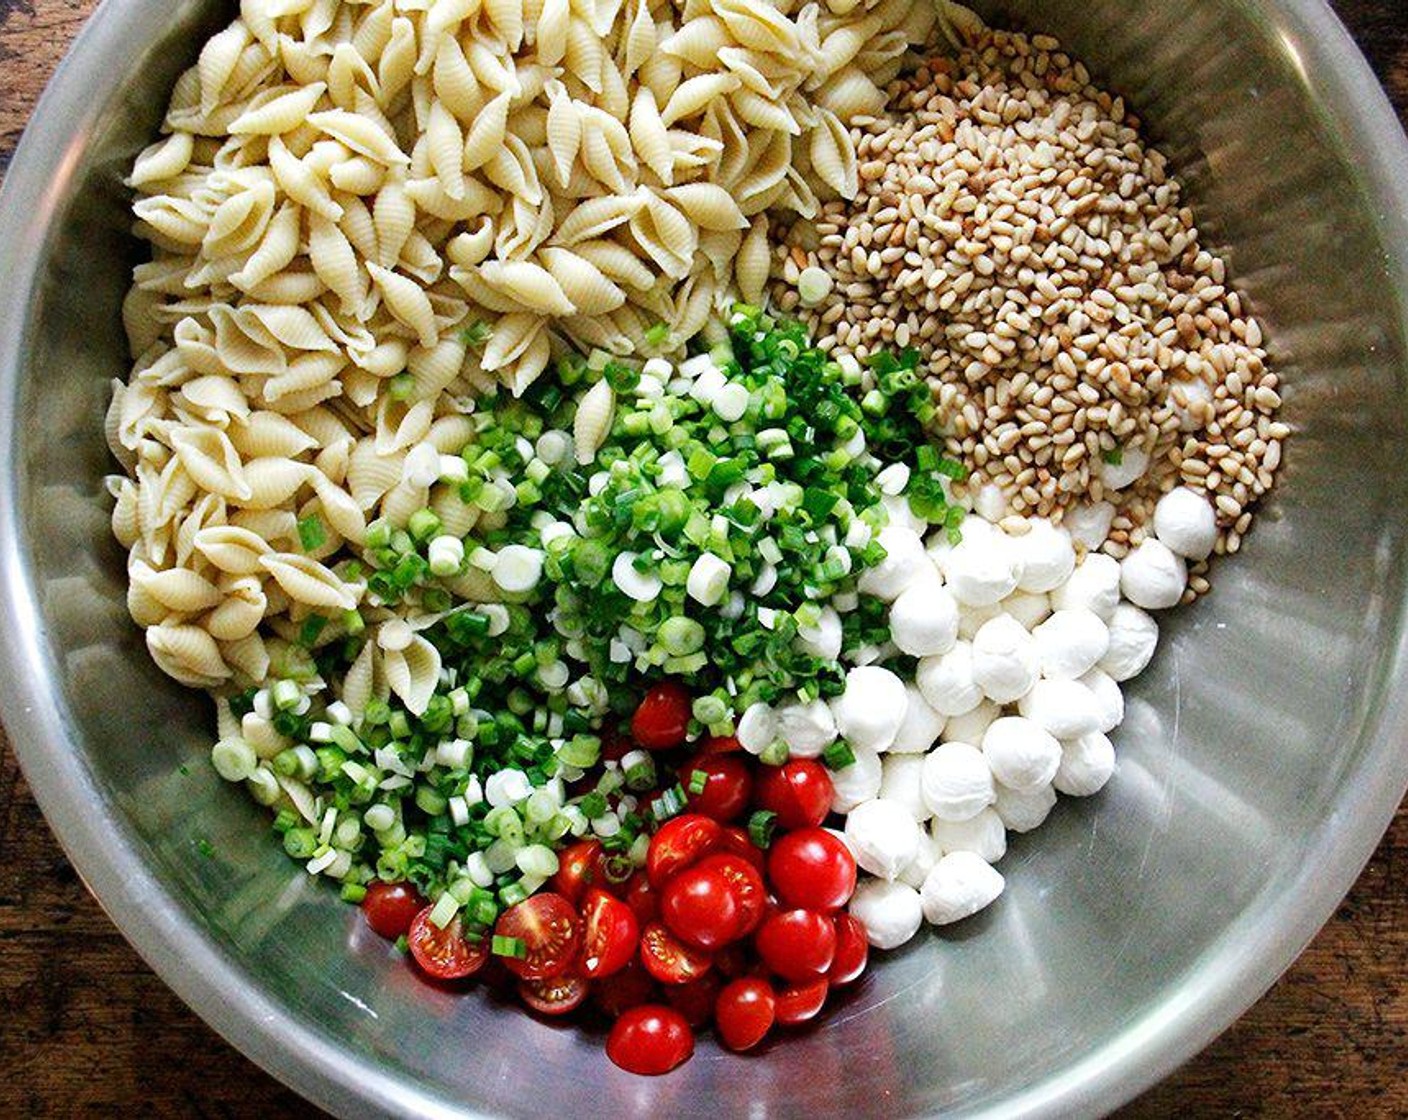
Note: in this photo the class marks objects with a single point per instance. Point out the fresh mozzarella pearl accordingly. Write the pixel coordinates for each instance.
(807, 729)
(924, 619)
(1022, 754)
(1004, 659)
(1153, 576)
(969, 727)
(899, 514)
(1027, 607)
(870, 710)
(1086, 765)
(1048, 556)
(1066, 709)
(1024, 810)
(904, 563)
(1184, 520)
(1133, 636)
(890, 912)
(922, 863)
(1093, 586)
(947, 681)
(990, 502)
(1071, 643)
(858, 782)
(984, 835)
(971, 619)
(1108, 698)
(757, 728)
(1134, 461)
(960, 884)
(824, 639)
(900, 782)
(1089, 523)
(922, 724)
(956, 781)
(982, 568)
(1192, 390)
(886, 838)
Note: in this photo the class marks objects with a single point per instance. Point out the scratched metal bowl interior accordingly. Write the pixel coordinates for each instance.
(1259, 762)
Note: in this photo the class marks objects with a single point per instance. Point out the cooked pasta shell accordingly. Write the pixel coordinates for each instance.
(126, 514)
(402, 501)
(457, 517)
(597, 216)
(760, 25)
(273, 481)
(359, 133)
(178, 590)
(616, 262)
(309, 582)
(506, 16)
(231, 548)
(529, 285)
(215, 398)
(239, 613)
(664, 233)
(335, 262)
(413, 673)
(699, 41)
(163, 160)
(370, 474)
(639, 41)
(475, 585)
(512, 335)
(360, 683)
(751, 270)
(833, 155)
(592, 422)
(407, 301)
(400, 425)
(435, 367)
(393, 218)
(300, 182)
(586, 287)
(265, 433)
(217, 62)
(278, 110)
(188, 654)
(552, 31)
(211, 461)
(564, 132)
(649, 136)
(449, 434)
(695, 94)
(469, 249)
(584, 53)
(851, 94)
(708, 206)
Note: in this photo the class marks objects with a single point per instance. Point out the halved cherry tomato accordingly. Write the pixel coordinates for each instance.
(609, 936)
(621, 991)
(391, 907)
(736, 842)
(684, 840)
(579, 866)
(701, 908)
(799, 792)
(668, 959)
(797, 1003)
(695, 1000)
(747, 885)
(720, 744)
(650, 1039)
(548, 926)
(444, 953)
(744, 1013)
(641, 897)
(798, 945)
(557, 995)
(812, 869)
(852, 951)
(728, 784)
(662, 720)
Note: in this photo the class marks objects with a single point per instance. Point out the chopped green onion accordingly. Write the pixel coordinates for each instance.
(838, 755)
(514, 947)
(311, 534)
(760, 827)
(698, 779)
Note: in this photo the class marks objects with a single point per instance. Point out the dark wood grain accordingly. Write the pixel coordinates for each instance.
(87, 1030)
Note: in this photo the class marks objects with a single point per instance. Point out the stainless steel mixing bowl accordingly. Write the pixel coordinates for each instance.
(1261, 759)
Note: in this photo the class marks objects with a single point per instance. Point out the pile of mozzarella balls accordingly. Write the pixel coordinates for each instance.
(1021, 647)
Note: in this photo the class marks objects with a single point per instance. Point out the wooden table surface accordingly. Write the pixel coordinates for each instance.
(87, 1029)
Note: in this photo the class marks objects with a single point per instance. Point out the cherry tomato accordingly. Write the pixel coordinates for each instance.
(556, 995)
(745, 1012)
(798, 1003)
(641, 897)
(548, 926)
(720, 744)
(728, 784)
(747, 885)
(695, 1000)
(812, 869)
(852, 951)
(621, 991)
(662, 720)
(444, 953)
(650, 1039)
(609, 936)
(668, 959)
(732, 961)
(579, 866)
(684, 840)
(799, 792)
(735, 841)
(798, 945)
(391, 907)
(701, 909)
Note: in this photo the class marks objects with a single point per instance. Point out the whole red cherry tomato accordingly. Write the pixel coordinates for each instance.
(798, 1003)
(650, 1039)
(695, 1000)
(799, 792)
(550, 931)
(389, 908)
(557, 995)
(680, 842)
(735, 842)
(662, 720)
(641, 897)
(852, 951)
(668, 959)
(609, 934)
(728, 785)
(701, 908)
(747, 885)
(444, 953)
(798, 945)
(579, 866)
(621, 991)
(720, 744)
(744, 1012)
(811, 869)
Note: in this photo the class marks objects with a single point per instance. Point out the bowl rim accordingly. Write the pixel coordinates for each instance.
(209, 979)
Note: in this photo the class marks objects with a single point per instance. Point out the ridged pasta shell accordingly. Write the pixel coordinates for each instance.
(833, 155)
(449, 434)
(211, 461)
(240, 612)
(753, 264)
(586, 287)
(617, 263)
(401, 425)
(266, 433)
(513, 334)
(454, 82)
(334, 260)
(232, 549)
(163, 160)
(708, 206)
(360, 134)
(457, 517)
(639, 41)
(188, 654)
(469, 249)
(665, 234)
(649, 136)
(281, 109)
(474, 585)
(179, 590)
(552, 31)
(309, 582)
(413, 673)
(364, 680)
(393, 218)
(597, 216)
(407, 301)
(529, 285)
(695, 94)
(403, 500)
(592, 422)
(370, 474)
